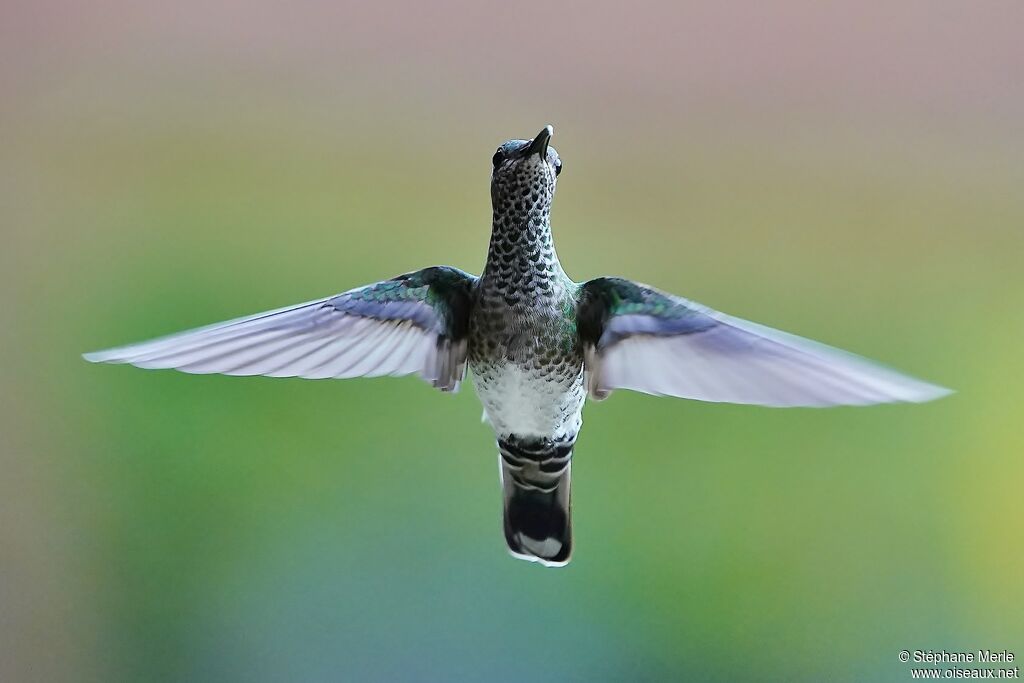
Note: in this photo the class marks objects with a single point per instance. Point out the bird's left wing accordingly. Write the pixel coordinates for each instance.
(635, 337)
(413, 323)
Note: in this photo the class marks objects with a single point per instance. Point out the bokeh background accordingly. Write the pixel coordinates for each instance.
(851, 172)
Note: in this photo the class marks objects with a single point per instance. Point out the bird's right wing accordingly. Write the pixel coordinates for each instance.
(413, 323)
(635, 337)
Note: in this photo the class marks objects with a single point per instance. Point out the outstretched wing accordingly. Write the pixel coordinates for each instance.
(636, 337)
(414, 323)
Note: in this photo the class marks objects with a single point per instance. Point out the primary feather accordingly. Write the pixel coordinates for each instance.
(638, 338)
(406, 325)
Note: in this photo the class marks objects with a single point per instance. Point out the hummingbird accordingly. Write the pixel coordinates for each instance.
(537, 343)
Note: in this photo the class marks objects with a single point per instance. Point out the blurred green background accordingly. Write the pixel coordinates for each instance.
(847, 173)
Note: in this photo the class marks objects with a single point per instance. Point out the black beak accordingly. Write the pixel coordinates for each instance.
(540, 143)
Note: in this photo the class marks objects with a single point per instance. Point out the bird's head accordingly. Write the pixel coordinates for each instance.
(523, 179)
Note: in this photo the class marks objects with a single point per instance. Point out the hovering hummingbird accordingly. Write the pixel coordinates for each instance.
(538, 344)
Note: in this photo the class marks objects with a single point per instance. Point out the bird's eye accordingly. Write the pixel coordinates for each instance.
(498, 157)
(558, 167)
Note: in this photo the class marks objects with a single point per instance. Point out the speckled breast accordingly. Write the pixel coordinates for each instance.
(527, 366)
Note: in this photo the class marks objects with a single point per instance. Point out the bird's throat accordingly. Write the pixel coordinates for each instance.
(522, 257)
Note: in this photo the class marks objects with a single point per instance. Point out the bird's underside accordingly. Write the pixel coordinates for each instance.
(632, 337)
(538, 344)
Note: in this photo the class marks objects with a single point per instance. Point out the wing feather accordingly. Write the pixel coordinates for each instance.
(410, 324)
(645, 340)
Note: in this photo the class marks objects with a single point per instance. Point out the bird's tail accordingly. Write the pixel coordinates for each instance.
(535, 475)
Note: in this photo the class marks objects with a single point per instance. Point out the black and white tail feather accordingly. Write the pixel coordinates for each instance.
(536, 476)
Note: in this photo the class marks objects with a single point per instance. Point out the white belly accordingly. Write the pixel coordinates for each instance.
(525, 402)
